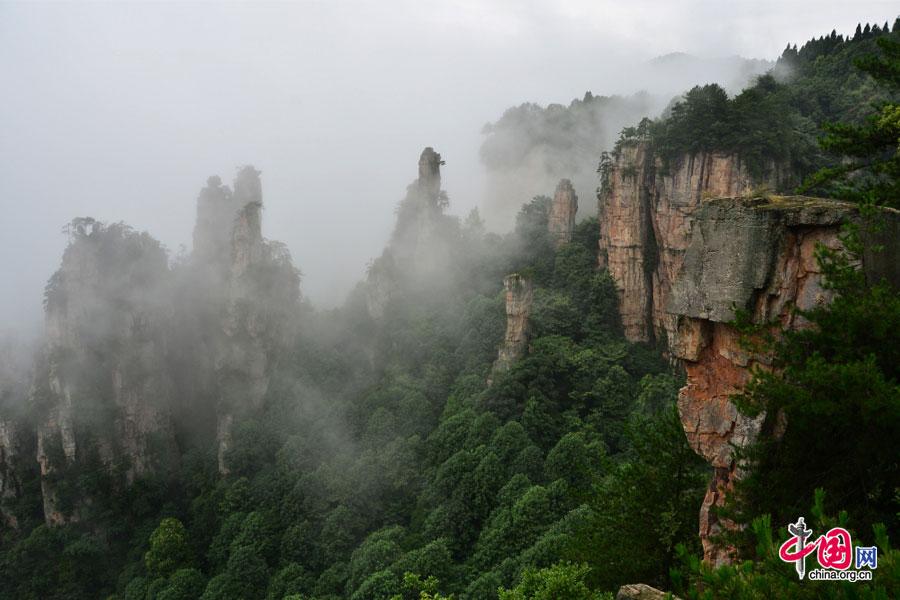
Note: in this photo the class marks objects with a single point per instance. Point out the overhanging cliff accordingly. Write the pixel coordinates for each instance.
(756, 255)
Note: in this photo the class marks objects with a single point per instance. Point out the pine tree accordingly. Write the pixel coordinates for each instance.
(836, 381)
(872, 172)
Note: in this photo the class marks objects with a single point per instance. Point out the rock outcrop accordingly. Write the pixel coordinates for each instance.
(101, 390)
(419, 214)
(217, 208)
(16, 438)
(121, 327)
(253, 288)
(563, 208)
(429, 182)
(9, 480)
(642, 591)
(519, 297)
(645, 224)
(416, 256)
(758, 256)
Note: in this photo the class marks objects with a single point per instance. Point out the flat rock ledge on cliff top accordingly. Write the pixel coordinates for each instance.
(736, 244)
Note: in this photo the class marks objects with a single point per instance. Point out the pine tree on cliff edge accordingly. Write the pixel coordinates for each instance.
(870, 171)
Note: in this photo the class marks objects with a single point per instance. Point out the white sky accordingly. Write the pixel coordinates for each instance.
(121, 111)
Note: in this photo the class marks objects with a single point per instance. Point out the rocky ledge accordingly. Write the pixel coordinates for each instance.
(757, 255)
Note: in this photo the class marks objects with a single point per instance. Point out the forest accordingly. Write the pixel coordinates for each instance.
(391, 455)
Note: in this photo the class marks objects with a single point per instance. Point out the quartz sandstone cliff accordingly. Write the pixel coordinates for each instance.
(101, 389)
(645, 224)
(253, 290)
(16, 439)
(561, 219)
(519, 296)
(122, 327)
(759, 256)
(519, 292)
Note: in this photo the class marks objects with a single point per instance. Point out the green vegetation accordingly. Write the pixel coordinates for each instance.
(836, 386)
(409, 476)
(836, 382)
(764, 575)
(382, 464)
(873, 169)
(774, 125)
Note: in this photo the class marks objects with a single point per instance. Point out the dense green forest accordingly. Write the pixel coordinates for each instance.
(358, 472)
(778, 121)
(390, 459)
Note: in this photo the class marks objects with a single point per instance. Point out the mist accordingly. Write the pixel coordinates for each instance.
(410, 300)
(121, 112)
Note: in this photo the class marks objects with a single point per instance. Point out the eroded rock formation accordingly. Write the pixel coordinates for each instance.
(253, 288)
(418, 214)
(561, 219)
(9, 481)
(416, 255)
(519, 297)
(645, 225)
(217, 208)
(122, 327)
(759, 256)
(17, 440)
(642, 591)
(101, 391)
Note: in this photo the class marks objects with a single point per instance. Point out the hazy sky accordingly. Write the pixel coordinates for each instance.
(121, 111)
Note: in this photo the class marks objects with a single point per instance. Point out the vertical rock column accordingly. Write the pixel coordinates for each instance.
(626, 240)
(519, 296)
(17, 437)
(561, 220)
(416, 254)
(429, 182)
(241, 362)
(13, 445)
(254, 291)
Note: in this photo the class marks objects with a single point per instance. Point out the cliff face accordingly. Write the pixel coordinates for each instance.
(11, 447)
(756, 255)
(241, 360)
(645, 225)
(563, 208)
(121, 328)
(102, 390)
(519, 297)
(16, 439)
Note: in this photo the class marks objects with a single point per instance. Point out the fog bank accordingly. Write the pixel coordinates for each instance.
(122, 111)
